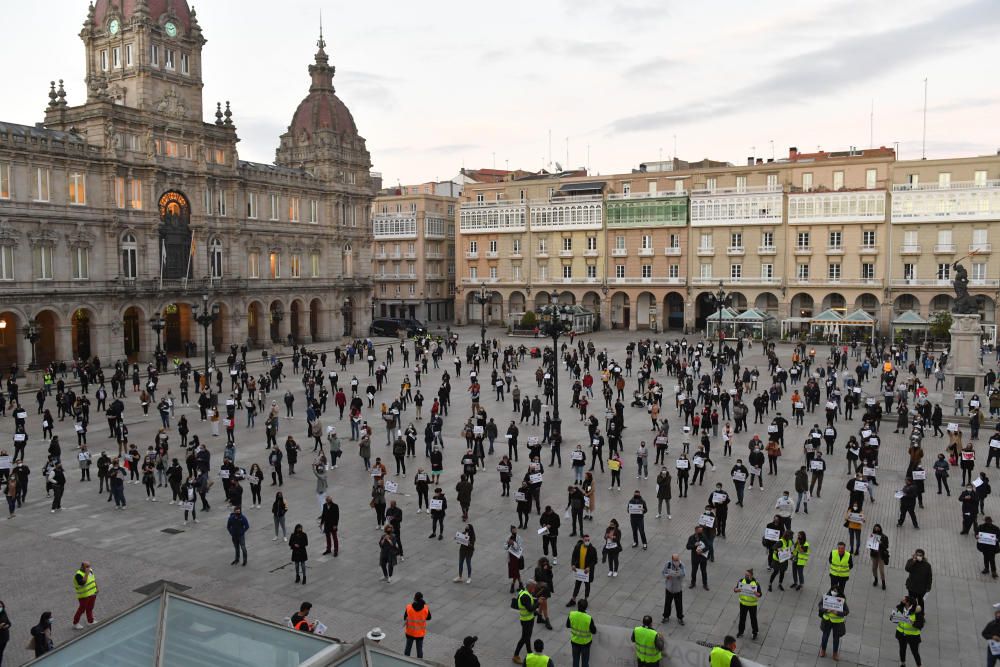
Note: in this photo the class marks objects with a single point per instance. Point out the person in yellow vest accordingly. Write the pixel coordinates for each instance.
(415, 618)
(832, 622)
(800, 554)
(85, 586)
(581, 634)
(536, 658)
(725, 655)
(526, 605)
(648, 643)
(841, 564)
(748, 589)
(909, 619)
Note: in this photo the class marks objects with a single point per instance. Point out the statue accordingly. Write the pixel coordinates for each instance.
(965, 304)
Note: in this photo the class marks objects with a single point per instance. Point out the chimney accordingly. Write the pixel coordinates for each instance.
(760, 160)
(770, 160)
(792, 152)
(750, 161)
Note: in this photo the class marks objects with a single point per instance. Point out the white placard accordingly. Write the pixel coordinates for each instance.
(898, 617)
(586, 502)
(581, 575)
(755, 471)
(798, 405)
(748, 589)
(20, 437)
(5, 462)
(773, 428)
(855, 517)
(683, 464)
(739, 476)
(994, 647)
(784, 555)
(873, 441)
(21, 415)
(977, 482)
(855, 451)
(833, 603)
(78, 427)
(986, 538)
(577, 456)
(699, 462)
(816, 465)
(866, 434)
(535, 478)
(772, 534)
(718, 498)
(500, 468)
(874, 542)
(477, 430)
(519, 497)
(634, 508)
(83, 456)
(224, 474)
(860, 487)
(462, 538)
(952, 428)
(968, 456)
(898, 495)
(515, 551)
(706, 520)
(610, 545)
(421, 477)
(437, 503)
(919, 474)
(544, 530)
(994, 443)
(391, 487)
(868, 472)
(187, 507)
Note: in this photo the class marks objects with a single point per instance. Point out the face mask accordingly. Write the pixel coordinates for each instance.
(586, 543)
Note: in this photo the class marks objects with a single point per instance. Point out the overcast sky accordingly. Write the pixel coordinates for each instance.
(439, 84)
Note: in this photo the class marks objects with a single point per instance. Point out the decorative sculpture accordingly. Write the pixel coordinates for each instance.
(965, 303)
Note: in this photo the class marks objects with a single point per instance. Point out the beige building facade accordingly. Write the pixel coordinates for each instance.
(792, 237)
(414, 253)
(130, 205)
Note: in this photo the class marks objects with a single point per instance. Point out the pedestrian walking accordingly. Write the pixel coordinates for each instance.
(85, 588)
(279, 508)
(298, 543)
(525, 604)
(920, 577)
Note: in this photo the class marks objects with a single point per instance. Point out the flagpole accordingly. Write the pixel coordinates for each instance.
(163, 258)
(187, 273)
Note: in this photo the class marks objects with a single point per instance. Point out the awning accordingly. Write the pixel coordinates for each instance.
(586, 186)
(828, 315)
(910, 319)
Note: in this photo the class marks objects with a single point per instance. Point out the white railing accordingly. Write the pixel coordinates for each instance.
(953, 185)
(672, 250)
(736, 250)
(910, 249)
(472, 254)
(868, 250)
(565, 253)
(659, 280)
(591, 253)
(492, 254)
(748, 189)
(980, 247)
(944, 248)
(933, 205)
(767, 250)
(803, 250)
(646, 252)
(642, 194)
(836, 206)
(706, 252)
(917, 282)
(835, 250)
(984, 282)
(619, 252)
(567, 199)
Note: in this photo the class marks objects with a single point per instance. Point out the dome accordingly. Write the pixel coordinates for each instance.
(104, 9)
(322, 109)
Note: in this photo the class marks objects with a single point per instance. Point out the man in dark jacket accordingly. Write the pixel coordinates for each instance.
(584, 562)
(988, 546)
(329, 520)
(464, 656)
(237, 525)
(918, 583)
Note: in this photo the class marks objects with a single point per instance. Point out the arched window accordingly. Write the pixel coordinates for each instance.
(130, 257)
(215, 258)
(348, 261)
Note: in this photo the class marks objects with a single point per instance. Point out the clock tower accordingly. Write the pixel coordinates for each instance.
(146, 55)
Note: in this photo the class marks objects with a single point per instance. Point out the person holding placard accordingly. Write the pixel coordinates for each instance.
(637, 518)
(970, 509)
(550, 522)
(991, 633)
(854, 519)
(800, 558)
(817, 468)
(515, 558)
(466, 547)
(583, 563)
(967, 457)
(756, 461)
(982, 486)
(612, 547)
(739, 473)
(841, 563)
(907, 502)
(663, 492)
(908, 616)
(698, 546)
(438, 505)
(781, 555)
(749, 593)
(920, 577)
(878, 551)
(387, 554)
(832, 610)
(683, 472)
(986, 542)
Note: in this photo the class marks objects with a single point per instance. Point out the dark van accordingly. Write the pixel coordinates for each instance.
(389, 326)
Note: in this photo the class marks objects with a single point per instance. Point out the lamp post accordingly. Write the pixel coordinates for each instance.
(32, 333)
(206, 318)
(345, 313)
(555, 324)
(158, 324)
(481, 298)
(720, 300)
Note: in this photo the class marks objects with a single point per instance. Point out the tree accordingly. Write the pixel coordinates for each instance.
(528, 320)
(940, 325)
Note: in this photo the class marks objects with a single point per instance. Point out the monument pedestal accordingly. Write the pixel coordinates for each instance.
(963, 369)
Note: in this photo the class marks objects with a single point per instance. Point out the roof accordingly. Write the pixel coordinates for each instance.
(859, 315)
(727, 314)
(754, 315)
(910, 318)
(157, 8)
(273, 168)
(828, 315)
(39, 132)
(585, 186)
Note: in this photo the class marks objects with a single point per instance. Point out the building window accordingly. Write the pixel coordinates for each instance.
(591, 243)
(104, 60)
(736, 240)
(493, 245)
(154, 55)
(412, 289)
(515, 246)
(293, 209)
(4, 181)
(116, 57)
(674, 271)
(473, 273)
(522, 196)
(711, 183)
(314, 265)
(705, 270)
(296, 265)
(767, 271)
(119, 192)
(674, 241)
(567, 243)
(567, 271)
(253, 264)
(6, 262)
(944, 271)
(802, 240)
(767, 239)
(868, 238)
(706, 241)
(515, 272)
(220, 202)
(168, 59)
(275, 202)
(871, 178)
(171, 148)
(838, 180)
(542, 246)
(81, 263)
(619, 242)
(772, 181)
(128, 55)
(473, 247)
(979, 270)
(130, 257)
(909, 271)
(481, 198)
(867, 271)
(944, 179)
(833, 272)
(979, 178)
(735, 271)
(313, 211)
(647, 242)
(646, 271)
(493, 273)
(274, 259)
(40, 184)
(252, 205)
(802, 271)
(215, 258)
(185, 63)
(836, 239)
(543, 272)
(591, 270)
(619, 271)
(807, 181)
(42, 262)
(741, 183)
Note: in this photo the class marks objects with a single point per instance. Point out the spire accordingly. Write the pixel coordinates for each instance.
(218, 114)
(53, 97)
(322, 71)
(61, 94)
(228, 115)
(321, 43)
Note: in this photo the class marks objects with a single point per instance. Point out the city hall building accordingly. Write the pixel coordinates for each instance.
(130, 206)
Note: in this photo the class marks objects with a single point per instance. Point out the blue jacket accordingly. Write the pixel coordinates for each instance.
(237, 525)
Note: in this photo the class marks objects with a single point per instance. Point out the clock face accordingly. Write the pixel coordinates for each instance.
(171, 29)
(114, 26)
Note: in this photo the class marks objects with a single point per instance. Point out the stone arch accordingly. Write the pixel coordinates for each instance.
(255, 319)
(836, 301)
(905, 302)
(180, 326)
(738, 301)
(592, 301)
(295, 325)
(542, 298)
(942, 302)
(275, 317)
(673, 311)
(567, 299)
(317, 328)
(135, 324)
(516, 303)
(46, 349)
(494, 312)
(220, 327)
(83, 335)
(10, 334)
(621, 310)
(987, 308)
(869, 303)
(704, 306)
(647, 315)
(348, 315)
(767, 302)
(802, 305)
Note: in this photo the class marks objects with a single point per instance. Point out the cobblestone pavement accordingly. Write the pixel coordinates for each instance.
(129, 549)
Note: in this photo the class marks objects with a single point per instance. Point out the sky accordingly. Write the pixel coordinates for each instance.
(435, 86)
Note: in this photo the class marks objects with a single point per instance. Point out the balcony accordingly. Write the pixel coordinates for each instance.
(767, 250)
(565, 253)
(542, 253)
(706, 280)
(846, 282)
(980, 248)
(735, 250)
(803, 250)
(516, 254)
(585, 212)
(660, 280)
(944, 249)
(910, 249)
(501, 216)
(920, 282)
(433, 255)
(591, 253)
(936, 202)
(850, 206)
(472, 254)
(619, 252)
(673, 251)
(380, 256)
(643, 194)
(868, 250)
(835, 250)
(983, 282)
(706, 252)
(396, 255)
(751, 207)
(410, 255)
(492, 254)
(646, 252)
(747, 189)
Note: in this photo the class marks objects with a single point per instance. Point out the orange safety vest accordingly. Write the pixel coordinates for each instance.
(416, 621)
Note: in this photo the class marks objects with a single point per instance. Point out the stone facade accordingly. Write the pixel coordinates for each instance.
(130, 205)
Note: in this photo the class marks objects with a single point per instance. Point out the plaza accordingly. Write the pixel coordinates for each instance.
(149, 542)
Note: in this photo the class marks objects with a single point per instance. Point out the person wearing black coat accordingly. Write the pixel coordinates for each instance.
(989, 551)
(298, 543)
(464, 656)
(329, 521)
(585, 554)
(921, 577)
(41, 634)
(4, 629)
(970, 509)
(990, 633)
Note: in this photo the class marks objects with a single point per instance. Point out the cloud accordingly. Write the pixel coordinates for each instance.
(832, 68)
(649, 67)
(445, 149)
(367, 87)
(963, 105)
(575, 48)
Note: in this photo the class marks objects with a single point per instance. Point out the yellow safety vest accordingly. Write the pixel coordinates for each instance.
(745, 599)
(782, 544)
(579, 628)
(523, 613)
(645, 644)
(840, 565)
(907, 628)
(89, 587)
(802, 554)
(833, 618)
(720, 657)
(536, 660)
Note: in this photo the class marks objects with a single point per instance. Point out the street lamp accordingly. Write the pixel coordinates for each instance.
(206, 318)
(556, 322)
(481, 298)
(720, 299)
(158, 324)
(32, 333)
(345, 313)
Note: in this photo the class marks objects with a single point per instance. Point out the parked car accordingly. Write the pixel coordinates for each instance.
(391, 326)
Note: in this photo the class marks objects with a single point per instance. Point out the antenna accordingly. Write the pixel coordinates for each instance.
(871, 126)
(923, 141)
(550, 146)
(675, 145)
(588, 159)
(567, 153)
(772, 149)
